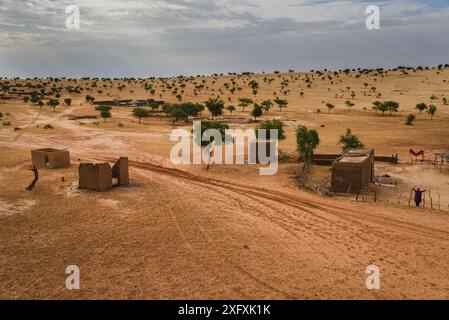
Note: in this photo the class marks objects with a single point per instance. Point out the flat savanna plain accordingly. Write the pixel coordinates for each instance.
(227, 233)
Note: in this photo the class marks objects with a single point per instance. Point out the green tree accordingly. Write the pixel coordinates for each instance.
(230, 108)
(178, 113)
(269, 125)
(421, 107)
(282, 103)
(207, 145)
(391, 106)
(349, 104)
(53, 103)
(68, 101)
(215, 107)
(103, 108)
(257, 111)
(377, 105)
(244, 102)
(330, 106)
(306, 142)
(89, 99)
(432, 110)
(105, 114)
(141, 113)
(350, 141)
(192, 109)
(266, 105)
(380, 106)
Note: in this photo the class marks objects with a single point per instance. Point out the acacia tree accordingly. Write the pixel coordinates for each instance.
(105, 114)
(230, 108)
(350, 141)
(89, 99)
(349, 104)
(207, 145)
(244, 102)
(330, 106)
(266, 105)
(257, 111)
(53, 103)
(421, 107)
(380, 106)
(178, 113)
(68, 101)
(306, 142)
(432, 110)
(282, 103)
(141, 113)
(268, 125)
(215, 107)
(391, 106)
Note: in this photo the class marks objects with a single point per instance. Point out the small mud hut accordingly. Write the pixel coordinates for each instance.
(353, 171)
(50, 158)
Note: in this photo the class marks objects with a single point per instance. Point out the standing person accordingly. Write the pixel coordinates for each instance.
(418, 196)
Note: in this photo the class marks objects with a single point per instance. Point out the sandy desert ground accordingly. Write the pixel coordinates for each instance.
(227, 233)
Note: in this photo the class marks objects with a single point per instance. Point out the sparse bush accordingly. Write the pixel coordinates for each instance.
(6, 123)
(48, 126)
(409, 120)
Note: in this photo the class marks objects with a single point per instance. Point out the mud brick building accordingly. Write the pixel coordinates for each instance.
(50, 158)
(353, 171)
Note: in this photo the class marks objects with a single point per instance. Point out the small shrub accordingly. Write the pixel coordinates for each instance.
(48, 126)
(6, 123)
(120, 125)
(409, 120)
(17, 128)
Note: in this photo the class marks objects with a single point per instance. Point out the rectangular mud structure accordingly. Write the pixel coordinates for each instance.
(100, 176)
(353, 171)
(95, 176)
(50, 158)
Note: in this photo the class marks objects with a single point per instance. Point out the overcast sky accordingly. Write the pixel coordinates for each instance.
(145, 38)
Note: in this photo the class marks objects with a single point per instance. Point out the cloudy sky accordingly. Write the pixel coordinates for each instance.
(145, 38)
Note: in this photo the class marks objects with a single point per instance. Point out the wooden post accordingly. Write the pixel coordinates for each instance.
(36, 177)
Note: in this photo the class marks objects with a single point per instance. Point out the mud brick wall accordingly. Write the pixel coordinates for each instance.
(120, 171)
